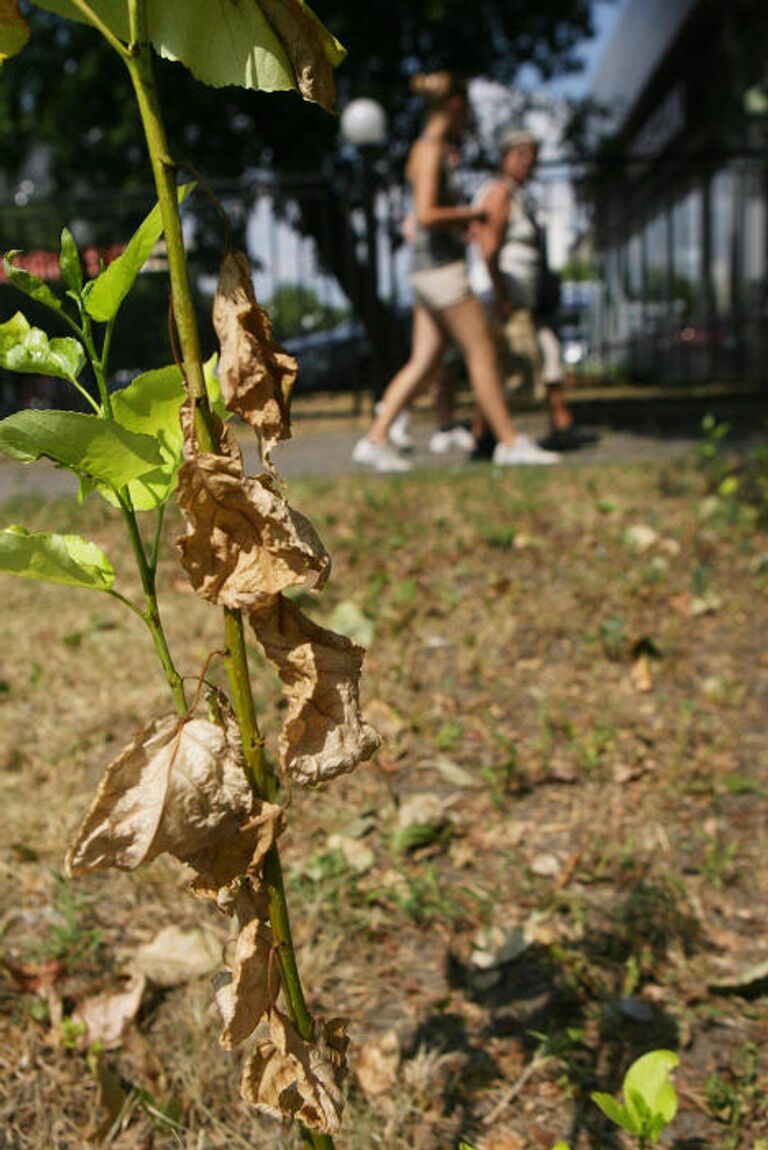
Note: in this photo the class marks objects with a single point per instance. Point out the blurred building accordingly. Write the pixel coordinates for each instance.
(680, 190)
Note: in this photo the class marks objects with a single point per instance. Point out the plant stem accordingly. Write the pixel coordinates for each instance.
(236, 661)
(263, 782)
(93, 18)
(147, 570)
(140, 68)
(151, 614)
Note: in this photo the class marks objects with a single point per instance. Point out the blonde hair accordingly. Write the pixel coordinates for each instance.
(438, 87)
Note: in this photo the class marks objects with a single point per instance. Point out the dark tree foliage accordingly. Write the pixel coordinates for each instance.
(66, 89)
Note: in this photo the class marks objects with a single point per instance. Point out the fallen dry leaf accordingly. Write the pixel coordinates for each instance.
(36, 977)
(256, 377)
(243, 993)
(175, 956)
(178, 787)
(244, 542)
(376, 1064)
(287, 1077)
(641, 675)
(385, 719)
(324, 733)
(107, 1015)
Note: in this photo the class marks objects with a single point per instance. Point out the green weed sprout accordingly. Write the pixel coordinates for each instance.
(650, 1099)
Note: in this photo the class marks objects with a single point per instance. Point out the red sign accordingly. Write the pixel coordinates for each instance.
(45, 265)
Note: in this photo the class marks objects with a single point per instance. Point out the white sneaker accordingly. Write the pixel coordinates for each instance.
(378, 456)
(522, 451)
(452, 438)
(400, 431)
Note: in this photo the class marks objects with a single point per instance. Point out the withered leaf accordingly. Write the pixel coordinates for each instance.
(324, 733)
(178, 787)
(287, 1077)
(242, 853)
(376, 1064)
(243, 993)
(107, 1015)
(307, 43)
(176, 955)
(256, 376)
(244, 542)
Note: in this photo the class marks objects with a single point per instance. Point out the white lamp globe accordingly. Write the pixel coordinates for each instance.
(364, 123)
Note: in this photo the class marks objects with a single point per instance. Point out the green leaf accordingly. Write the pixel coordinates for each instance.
(69, 262)
(266, 45)
(56, 558)
(213, 388)
(111, 287)
(561, 1146)
(114, 13)
(616, 1112)
(150, 405)
(27, 349)
(14, 30)
(31, 285)
(85, 444)
(648, 1089)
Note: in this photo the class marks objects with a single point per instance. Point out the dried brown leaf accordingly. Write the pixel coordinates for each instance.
(175, 956)
(244, 542)
(303, 40)
(287, 1077)
(376, 1064)
(256, 377)
(324, 733)
(222, 864)
(178, 787)
(107, 1015)
(243, 993)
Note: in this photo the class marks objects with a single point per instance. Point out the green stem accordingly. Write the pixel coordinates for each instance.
(98, 362)
(141, 71)
(93, 18)
(151, 614)
(236, 661)
(156, 541)
(140, 68)
(263, 782)
(147, 570)
(85, 394)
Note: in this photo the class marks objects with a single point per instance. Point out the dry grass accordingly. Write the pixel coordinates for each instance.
(605, 706)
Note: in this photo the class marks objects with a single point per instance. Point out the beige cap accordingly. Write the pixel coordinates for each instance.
(513, 137)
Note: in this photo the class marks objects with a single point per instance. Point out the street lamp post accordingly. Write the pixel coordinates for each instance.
(364, 126)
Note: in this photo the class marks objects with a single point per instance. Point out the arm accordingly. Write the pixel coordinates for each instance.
(489, 234)
(424, 172)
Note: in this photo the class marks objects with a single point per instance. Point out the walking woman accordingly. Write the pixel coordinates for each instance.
(445, 307)
(514, 280)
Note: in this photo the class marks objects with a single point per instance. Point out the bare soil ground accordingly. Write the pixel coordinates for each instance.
(556, 862)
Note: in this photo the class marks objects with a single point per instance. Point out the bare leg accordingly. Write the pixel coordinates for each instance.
(559, 415)
(427, 346)
(444, 391)
(468, 324)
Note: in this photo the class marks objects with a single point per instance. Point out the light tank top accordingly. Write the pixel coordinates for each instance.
(521, 253)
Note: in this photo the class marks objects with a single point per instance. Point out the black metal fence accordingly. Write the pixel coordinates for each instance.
(684, 270)
(328, 259)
